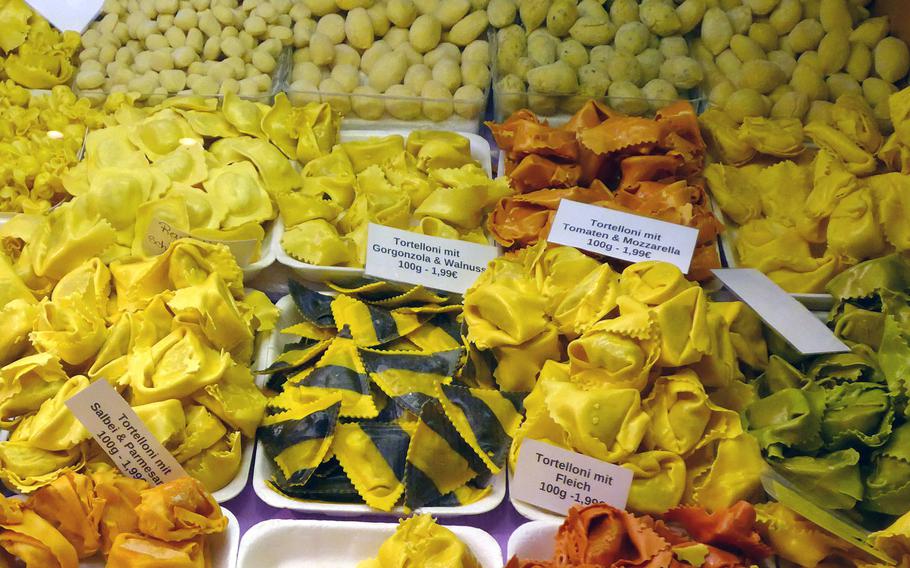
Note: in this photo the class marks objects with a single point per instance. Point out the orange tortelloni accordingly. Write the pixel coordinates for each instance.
(134, 525)
(650, 167)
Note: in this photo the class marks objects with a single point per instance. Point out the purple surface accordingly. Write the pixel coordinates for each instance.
(250, 510)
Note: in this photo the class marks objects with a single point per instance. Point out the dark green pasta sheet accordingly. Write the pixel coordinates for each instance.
(386, 406)
(836, 425)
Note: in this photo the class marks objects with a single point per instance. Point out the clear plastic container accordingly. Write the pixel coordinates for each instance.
(383, 112)
(558, 108)
(98, 96)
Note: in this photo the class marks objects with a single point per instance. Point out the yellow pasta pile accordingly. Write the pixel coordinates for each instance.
(32, 53)
(41, 136)
(804, 219)
(429, 184)
(638, 369)
(183, 168)
(174, 334)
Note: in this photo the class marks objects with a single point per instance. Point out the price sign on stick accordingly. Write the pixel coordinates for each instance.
(556, 479)
(792, 320)
(623, 236)
(122, 434)
(412, 258)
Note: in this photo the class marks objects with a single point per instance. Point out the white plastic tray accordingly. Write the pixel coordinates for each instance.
(816, 302)
(263, 469)
(480, 151)
(338, 544)
(534, 540)
(222, 549)
(273, 232)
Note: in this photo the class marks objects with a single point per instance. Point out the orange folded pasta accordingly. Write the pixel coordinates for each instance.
(179, 510)
(650, 167)
(602, 535)
(525, 219)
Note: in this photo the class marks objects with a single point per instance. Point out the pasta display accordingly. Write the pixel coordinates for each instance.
(603, 157)
(42, 138)
(804, 215)
(155, 164)
(173, 334)
(382, 402)
(185, 168)
(429, 184)
(393, 59)
(643, 353)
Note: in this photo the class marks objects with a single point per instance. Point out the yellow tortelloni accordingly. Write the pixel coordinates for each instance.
(175, 367)
(609, 353)
(185, 263)
(683, 419)
(600, 421)
(26, 383)
(854, 230)
(46, 443)
(17, 313)
(53, 427)
(420, 541)
(69, 328)
(735, 191)
(781, 137)
(723, 133)
(857, 160)
(37, 56)
(891, 194)
(780, 251)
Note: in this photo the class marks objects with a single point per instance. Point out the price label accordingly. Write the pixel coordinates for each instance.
(73, 15)
(161, 234)
(122, 434)
(620, 235)
(556, 479)
(792, 320)
(443, 264)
